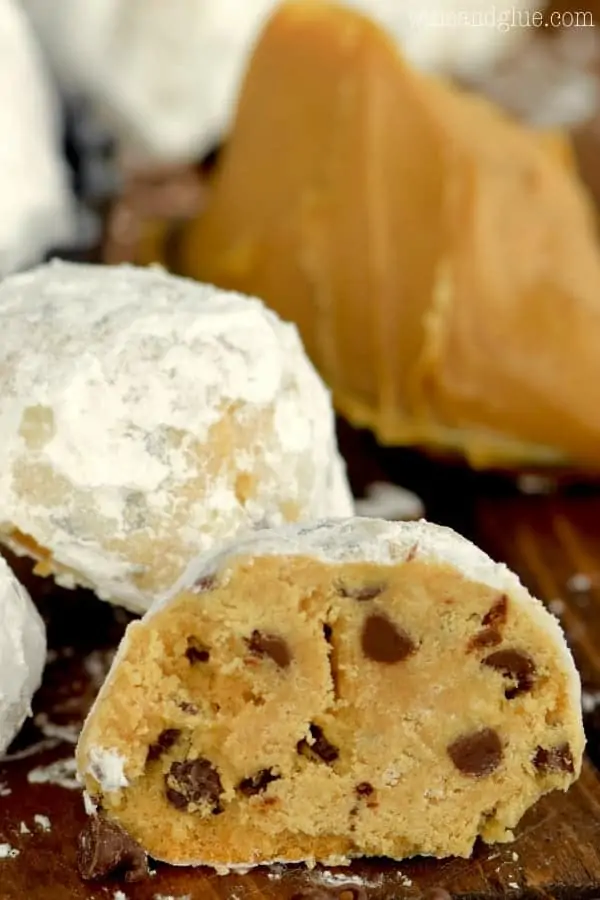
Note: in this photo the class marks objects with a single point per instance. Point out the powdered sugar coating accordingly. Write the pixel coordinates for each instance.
(35, 205)
(146, 416)
(22, 654)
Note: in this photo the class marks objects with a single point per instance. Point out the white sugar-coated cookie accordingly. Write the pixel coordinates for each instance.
(320, 692)
(167, 74)
(36, 211)
(22, 654)
(145, 417)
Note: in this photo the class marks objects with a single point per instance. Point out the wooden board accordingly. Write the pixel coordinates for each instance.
(547, 540)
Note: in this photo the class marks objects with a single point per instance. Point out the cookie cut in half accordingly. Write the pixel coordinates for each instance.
(351, 688)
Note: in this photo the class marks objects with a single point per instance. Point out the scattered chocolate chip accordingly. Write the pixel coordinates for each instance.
(489, 637)
(105, 848)
(195, 781)
(412, 552)
(496, 617)
(270, 645)
(257, 783)
(364, 789)
(327, 632)
(363, 592)
(166, 739)
(189, 708)
(554, 759)
(196, 651)
(320, 746)
(384, 642)
(476, 754)
(206, 583)
(515, 665)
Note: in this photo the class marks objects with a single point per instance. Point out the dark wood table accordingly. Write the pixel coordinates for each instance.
(552, 541)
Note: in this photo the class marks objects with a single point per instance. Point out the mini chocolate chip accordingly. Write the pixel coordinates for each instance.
(412, 552)
(166, 739)
(320, 746)
(554, 759)
(496, 616)
(364, 789)
(206, 583)
(105, 848)
(257, 783)
(270, 645)
(384, 642)
(515, 665)
(362, 592)
(489, 637)
(194, 781)
(189, 708)
(196, 651)
(476, 754)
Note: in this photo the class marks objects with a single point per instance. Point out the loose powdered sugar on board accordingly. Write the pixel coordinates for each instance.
(112, 377)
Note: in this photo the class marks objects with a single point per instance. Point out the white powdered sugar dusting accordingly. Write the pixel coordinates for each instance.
(62, 773)
(37, 209)
(389, 501)
(42, 822)
(122, 390)
(8, 852)
(22, 654)
(108, 768)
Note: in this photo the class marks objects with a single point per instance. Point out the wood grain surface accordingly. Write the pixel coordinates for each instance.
(547, 539)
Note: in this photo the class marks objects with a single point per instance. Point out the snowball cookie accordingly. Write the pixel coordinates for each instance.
(22, 654)
(167, 75)
(323, 692)
(145, 417)
(36, 211)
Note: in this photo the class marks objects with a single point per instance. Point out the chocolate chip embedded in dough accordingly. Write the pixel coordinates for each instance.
(364, 789)
(270, 645)
(249, 787)
(196, 651)
(489, 637)
(194, 782)
(384, 642)
(327, 632)
(497, 615)
(166, 739)
(105, 848)
(320, 747)
(206, 583)
(360, 592)
(554, 759)
(476, 754)
(517, 666)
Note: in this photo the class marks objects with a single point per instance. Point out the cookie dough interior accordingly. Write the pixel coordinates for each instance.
(292, 709)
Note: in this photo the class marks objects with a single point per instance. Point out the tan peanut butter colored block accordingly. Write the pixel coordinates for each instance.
(440, 259)
(354, 687)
